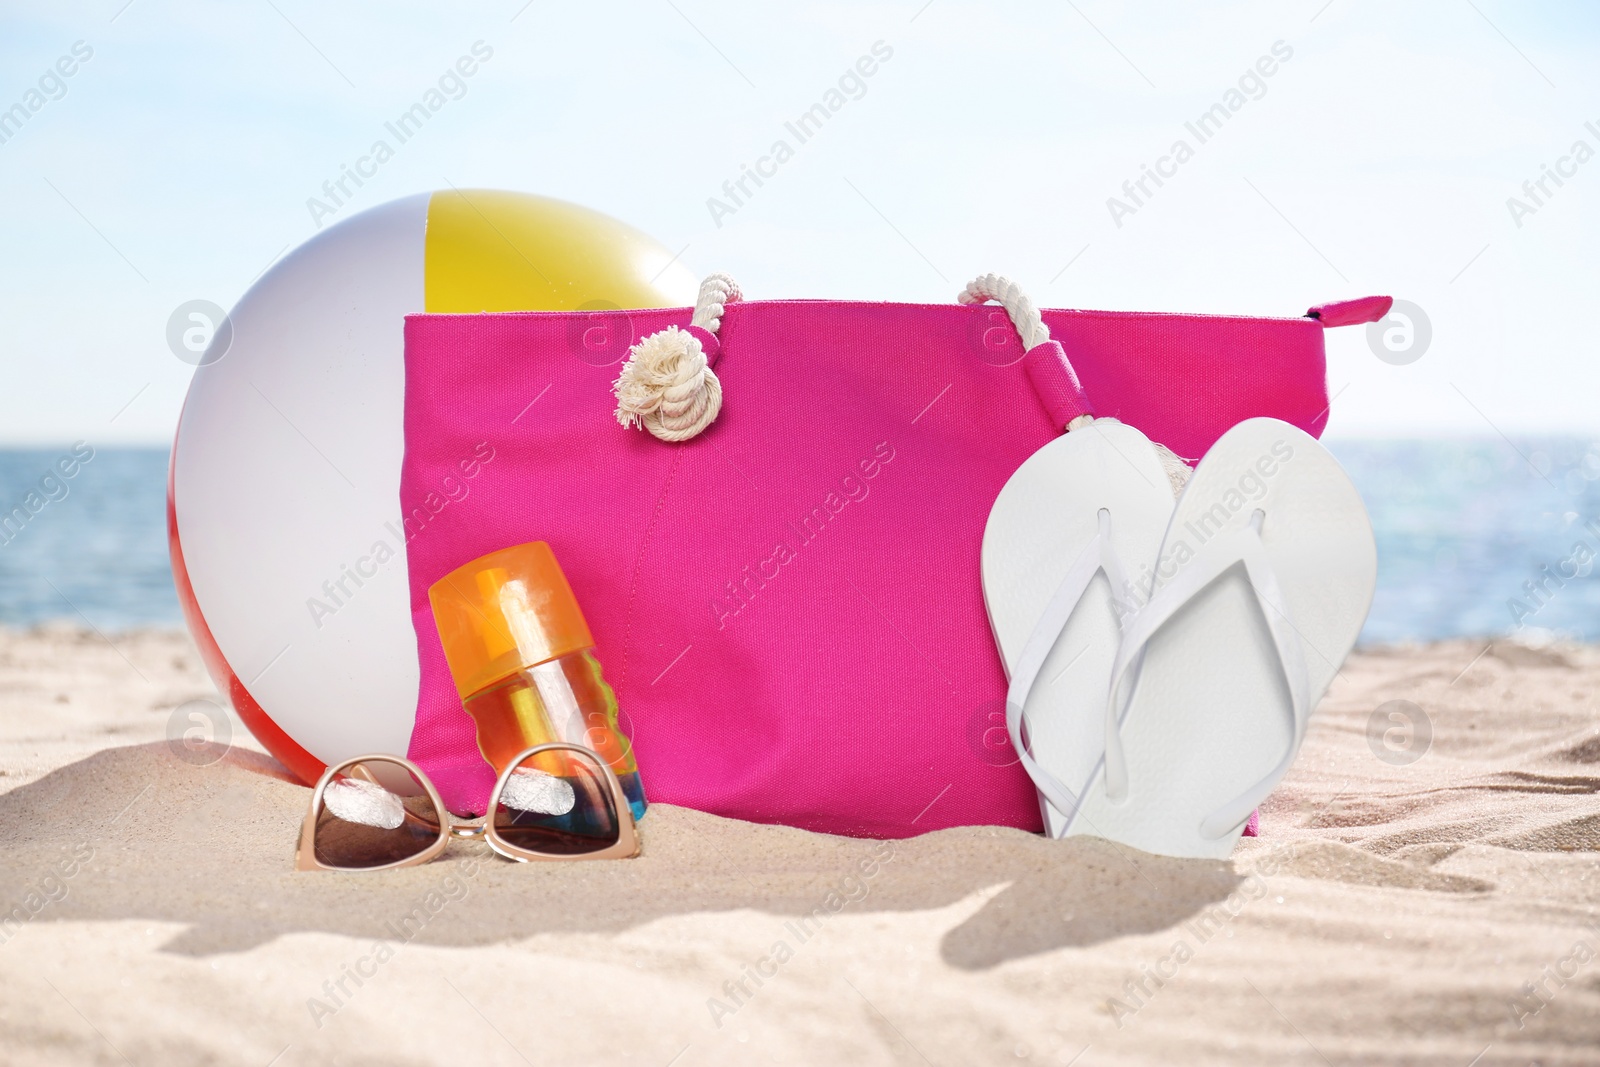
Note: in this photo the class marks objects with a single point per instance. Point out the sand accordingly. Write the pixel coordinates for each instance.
(1435, 911)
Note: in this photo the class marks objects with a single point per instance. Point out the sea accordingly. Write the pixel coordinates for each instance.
(1477, 537)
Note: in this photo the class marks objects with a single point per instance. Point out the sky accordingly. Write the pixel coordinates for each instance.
(1381, 155)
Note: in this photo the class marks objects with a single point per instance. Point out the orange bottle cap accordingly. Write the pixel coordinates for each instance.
(505, 611)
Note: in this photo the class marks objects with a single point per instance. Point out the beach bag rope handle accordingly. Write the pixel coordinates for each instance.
(1049, 369)
(1045, 360)
(667, 385)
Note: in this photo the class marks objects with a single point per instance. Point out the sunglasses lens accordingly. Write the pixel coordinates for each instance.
(557, 803)
(373, 814)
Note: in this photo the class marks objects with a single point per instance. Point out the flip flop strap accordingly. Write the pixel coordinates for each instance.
(1097, 555)
(1217, 556)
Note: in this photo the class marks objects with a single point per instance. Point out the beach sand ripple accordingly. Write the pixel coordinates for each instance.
(1395, 910)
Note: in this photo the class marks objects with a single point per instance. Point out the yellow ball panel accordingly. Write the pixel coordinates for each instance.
(492, 250)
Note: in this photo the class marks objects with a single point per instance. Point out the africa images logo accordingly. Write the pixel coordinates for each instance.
(52, 85)
(853, 488)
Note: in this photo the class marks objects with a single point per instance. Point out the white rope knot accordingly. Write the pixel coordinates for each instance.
(1172, 465)
(667, 385)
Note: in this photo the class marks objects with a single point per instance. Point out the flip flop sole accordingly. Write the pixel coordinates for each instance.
(1210, 713)
(1044, 517)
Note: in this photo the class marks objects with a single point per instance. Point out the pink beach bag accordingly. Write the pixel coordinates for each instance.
(782, 575)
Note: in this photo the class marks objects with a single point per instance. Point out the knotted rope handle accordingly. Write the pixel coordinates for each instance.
(1035, 335)
(667, 384)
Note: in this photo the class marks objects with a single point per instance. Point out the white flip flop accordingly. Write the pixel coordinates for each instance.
(1076, 522)
(1260, 589)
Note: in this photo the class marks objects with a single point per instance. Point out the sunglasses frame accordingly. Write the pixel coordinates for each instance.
(625, 847)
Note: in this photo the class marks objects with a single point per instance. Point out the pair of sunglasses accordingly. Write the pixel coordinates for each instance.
(552, 802)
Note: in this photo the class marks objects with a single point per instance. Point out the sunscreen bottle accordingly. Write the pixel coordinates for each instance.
(523, 661)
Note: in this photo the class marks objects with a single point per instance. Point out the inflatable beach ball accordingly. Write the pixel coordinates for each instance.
(283, 494)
